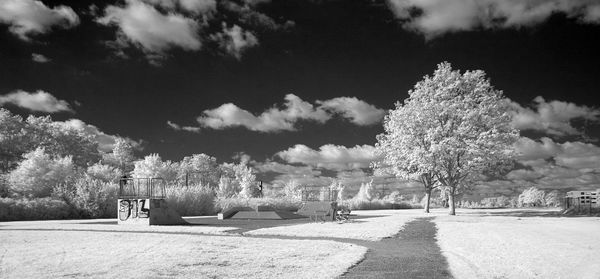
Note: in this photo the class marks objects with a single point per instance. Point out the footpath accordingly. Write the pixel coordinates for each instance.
(413, 253)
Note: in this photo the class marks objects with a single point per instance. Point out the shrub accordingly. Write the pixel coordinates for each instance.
(38, 173)
(284, 204)
(91, 198)
(193, 200)
(35, 209)
(374, 204)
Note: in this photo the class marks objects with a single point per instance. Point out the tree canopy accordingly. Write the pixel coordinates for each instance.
(453, 127)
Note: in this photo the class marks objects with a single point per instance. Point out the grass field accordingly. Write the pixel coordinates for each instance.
(475, 244)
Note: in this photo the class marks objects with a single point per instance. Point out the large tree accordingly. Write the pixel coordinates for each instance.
(453, 128)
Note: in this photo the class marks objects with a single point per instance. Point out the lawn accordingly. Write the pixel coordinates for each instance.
(475, 244)
(96, 254)
(519, 244)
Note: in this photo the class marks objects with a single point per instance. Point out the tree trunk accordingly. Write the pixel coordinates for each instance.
(428, 198)
(451, 200)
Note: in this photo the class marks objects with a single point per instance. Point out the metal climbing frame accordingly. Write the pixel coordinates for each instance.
(142, 188)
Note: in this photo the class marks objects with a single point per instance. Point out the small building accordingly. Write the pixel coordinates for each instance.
(582, 200)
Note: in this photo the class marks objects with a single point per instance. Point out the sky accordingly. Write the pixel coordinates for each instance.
(301, 87)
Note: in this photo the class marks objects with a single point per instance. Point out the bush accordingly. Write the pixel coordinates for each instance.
(39, 172)
(361, 204)
(35, 209)
(284, 204)
(193, 200)
(91, 198)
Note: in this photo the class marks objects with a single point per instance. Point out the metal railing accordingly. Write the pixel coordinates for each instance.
(314, 193)
(142, 188)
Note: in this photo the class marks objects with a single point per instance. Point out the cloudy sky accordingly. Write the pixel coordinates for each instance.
(301, 86)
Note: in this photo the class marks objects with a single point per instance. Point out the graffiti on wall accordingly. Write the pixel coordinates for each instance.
(133, 208)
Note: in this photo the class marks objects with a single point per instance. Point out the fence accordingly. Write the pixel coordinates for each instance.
(318, 193)
(153, 188)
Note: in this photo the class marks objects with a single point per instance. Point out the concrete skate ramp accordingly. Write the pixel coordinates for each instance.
(162, 214)
(134, 211)
(271, 215)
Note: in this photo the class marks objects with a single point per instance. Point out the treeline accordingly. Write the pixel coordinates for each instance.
(52, 170)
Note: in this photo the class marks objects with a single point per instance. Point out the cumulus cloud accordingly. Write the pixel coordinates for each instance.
(435, 17)
(552, 117)
(178, 127)
(37, 101)
(329, 156)
(142, 25)
(105, 141)
(295, 109)
(235, 40)
(272, 120)
(39, 58)
(30, 17)
(359, 112)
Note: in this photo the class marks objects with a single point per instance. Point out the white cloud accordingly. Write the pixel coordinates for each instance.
(105, 141)
(552, 117)
(29, 17)
(532, 150)
(143, 25)
(359, 112)
(39, 58)
(38, 101)
(235, 40)
(329, 156)
(435, 17)
(272, 120)
(178, 127)
(295, 109)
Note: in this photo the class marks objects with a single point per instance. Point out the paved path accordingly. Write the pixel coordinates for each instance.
(413, 253)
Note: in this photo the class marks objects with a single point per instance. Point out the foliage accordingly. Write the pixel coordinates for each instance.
(122, 156)
(191, 200)
(246, 180)
(453, 126)
(227, 188)
(152, 166)
(552, 199)
(532, 197)
(39, 172)
(91, 198)
(291, 190)
(105, 173)
(200, 168)
(59, 139)
(35, 209)
(366, 191)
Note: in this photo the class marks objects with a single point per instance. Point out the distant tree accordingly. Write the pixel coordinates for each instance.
(452, 127)
(228, 188)
(291, 189)
(200, 168)
(553, 199)
(122, 155)
(39, 172)
(104, 173)
(13, 140)
(532, 197)
(246, 180)
(152, 166)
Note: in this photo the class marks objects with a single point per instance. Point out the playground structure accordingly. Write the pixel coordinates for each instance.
(318, 203)
(581, 201)
(141, 201)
